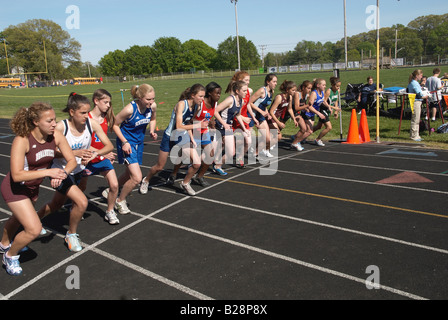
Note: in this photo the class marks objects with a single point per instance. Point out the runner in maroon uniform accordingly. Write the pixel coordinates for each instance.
(282, 109)
(242, 145)
(32, 153)
(204, 138)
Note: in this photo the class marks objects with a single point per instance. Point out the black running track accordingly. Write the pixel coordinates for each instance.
(339, 222)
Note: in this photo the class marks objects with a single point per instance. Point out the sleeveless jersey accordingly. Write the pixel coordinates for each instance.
(134, 128)
(302, 102)
(317, 103)
(262, 103)
(96, 142)
(39, 156)
(229, 114)
(334, 96)
(282, 108)
(205, 113)
(76, 143)
(244, 113)
(187, 115)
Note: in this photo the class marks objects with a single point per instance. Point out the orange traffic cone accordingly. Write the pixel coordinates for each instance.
(364, 134)
(353, 132)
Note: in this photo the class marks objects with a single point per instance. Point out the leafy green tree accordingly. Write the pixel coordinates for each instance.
(227, 54)
(113, 63)
(166, 55)
(438, 39)
(138, 60)
(196, 54)
(366, 48)
(425, 26)
(412, 44)
(25, 44)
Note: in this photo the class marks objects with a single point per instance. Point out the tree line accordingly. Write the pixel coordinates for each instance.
(170, 55)
(424, 36)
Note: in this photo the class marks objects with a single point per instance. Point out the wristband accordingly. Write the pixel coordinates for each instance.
(124, 143)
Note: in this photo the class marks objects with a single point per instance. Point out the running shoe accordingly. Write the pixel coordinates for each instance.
(12, 265)
(240, 163)
(3, 249)
(201, 181)
(170, 180)
(122, 207)
(105, 193)
(111, 217)
(297, 146)
(72, 241)
(319, 143)
(219, 171)
(187, 188)
(266, 153)
(144, 186)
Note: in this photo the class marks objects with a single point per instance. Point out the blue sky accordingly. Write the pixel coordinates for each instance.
(107, 25)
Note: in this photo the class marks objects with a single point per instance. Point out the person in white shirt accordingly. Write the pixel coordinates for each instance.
(434, 83)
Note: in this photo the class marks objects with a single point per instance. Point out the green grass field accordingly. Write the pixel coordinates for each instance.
(168, 92)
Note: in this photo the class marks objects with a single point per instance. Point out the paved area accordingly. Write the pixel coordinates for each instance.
(326, 220)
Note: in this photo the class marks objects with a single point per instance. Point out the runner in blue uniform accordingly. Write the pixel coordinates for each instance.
(317, 100)
(130, 128)
(226, 113)
(260, 100)
(178, 132)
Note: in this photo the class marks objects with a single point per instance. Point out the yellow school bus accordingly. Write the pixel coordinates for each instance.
(81, 81)
(10, 82)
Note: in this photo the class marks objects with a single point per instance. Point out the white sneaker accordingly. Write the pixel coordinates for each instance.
(122, 207)
(144, 186)
(111, 217)
(73, 243)
(105, 193)
(297, 146)
(266, 153)
(187, 188)
(319, 143)
(12, 265)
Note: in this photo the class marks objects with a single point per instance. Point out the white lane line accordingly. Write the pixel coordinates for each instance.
(110, 236)
(325, 225)
(383, 156)
(85, 250)
(385, 185)
(269, 253)
(317, 162)
(153, 275)
(289, 259)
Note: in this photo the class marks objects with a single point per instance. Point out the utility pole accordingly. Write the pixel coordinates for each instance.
(262, 47)
(345, 33)
(396, 43)
(237, 37)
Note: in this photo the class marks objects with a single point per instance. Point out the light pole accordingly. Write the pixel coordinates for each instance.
(377, 70)
(345, 33)
(237, 37)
